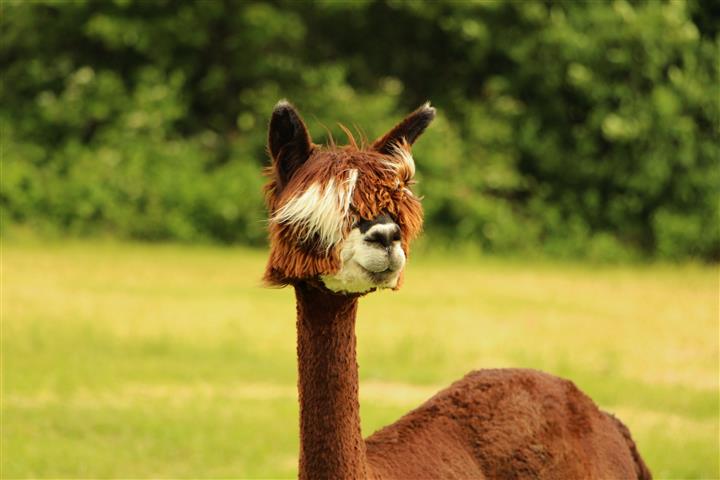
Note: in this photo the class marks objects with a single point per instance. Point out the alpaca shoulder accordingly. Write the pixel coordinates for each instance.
(506, 423)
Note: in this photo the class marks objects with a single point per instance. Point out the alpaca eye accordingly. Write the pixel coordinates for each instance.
(396, 236)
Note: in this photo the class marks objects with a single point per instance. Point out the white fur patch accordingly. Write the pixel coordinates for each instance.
(360, 259)
(404, 161)
(320, 210)
(351, 278)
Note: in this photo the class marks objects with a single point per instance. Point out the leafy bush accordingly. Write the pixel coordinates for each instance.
(577, 129)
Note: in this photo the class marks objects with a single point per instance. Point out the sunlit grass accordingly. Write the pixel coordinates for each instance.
(171, 361)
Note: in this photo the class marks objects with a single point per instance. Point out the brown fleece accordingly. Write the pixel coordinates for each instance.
(505, 424)
(331, 445)
(642, 471)
(494, 424)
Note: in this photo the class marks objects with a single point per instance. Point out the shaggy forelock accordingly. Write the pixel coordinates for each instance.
(320, 212)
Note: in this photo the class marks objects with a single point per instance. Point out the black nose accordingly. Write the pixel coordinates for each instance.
(383, 235)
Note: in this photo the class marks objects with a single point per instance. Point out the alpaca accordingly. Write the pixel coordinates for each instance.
(341, 223)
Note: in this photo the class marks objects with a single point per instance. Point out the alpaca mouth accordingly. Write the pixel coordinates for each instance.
(382, 276)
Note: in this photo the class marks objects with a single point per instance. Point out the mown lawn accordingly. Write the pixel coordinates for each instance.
(125, 360)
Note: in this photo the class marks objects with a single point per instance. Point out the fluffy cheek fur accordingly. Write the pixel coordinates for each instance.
(365, 266)
(289, 261)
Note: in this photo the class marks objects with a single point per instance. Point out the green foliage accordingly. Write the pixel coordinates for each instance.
(576, 129)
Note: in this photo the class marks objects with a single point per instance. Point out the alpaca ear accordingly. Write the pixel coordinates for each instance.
(406, 131)
(289, 142)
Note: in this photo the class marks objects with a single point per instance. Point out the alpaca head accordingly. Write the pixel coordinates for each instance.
(341, 216)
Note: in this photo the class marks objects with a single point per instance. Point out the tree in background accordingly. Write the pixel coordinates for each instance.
(583, 129)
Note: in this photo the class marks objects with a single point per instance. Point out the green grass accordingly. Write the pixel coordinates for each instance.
(125, 360)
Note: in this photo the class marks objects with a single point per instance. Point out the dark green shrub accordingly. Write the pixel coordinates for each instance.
(575, 129)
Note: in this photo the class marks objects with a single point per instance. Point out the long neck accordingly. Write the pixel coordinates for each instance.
(331, 444)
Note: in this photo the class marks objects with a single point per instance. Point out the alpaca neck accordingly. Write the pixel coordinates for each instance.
(331, 444)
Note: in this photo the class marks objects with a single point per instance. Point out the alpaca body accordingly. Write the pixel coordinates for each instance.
(341, 223)
(504, 424)
(492, 424)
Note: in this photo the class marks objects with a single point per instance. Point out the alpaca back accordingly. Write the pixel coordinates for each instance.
(508, 423)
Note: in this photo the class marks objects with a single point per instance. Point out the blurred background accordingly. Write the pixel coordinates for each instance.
(571, 188)
(582, 129)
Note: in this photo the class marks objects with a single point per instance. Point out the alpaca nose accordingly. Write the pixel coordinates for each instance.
(383, 235)
(380, 251)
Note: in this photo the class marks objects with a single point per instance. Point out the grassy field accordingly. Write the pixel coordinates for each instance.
(169, 361)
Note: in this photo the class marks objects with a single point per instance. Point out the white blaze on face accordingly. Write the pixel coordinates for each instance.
(367, 265)
(321, 210)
